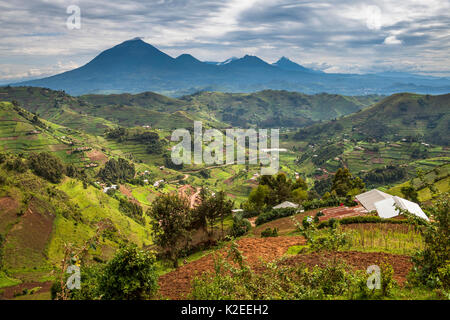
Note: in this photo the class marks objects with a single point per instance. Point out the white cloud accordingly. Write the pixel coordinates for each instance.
(392, 40)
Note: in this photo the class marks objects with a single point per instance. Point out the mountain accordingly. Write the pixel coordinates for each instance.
(286, 64)
(135, 66)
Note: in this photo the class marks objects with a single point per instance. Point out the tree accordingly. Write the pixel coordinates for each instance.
(345, 184)
(410, 193)
(130, 275)
(116, 171)
(258, 196)
(222, 206)
(433, 262)
(171, 219)
(46, 166)
(212, 209)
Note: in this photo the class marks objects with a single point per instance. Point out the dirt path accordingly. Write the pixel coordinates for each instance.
(177, 284)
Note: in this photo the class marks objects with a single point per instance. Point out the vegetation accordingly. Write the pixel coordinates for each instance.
(116, 171)
(170, 223)
(47, 166)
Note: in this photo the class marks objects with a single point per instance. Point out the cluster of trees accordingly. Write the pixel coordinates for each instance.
(345, 184)
(386, 175)
(46, 166)
(172, 220)
(151, 139)
(272, 190)
(132, 210)
(326, 153)
(116, 171)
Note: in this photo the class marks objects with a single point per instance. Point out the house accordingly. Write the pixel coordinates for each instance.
(387, 206)
(106, 189)
(286, 204)
(158, 183)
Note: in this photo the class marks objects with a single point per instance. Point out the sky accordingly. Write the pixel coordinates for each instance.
(41, 38)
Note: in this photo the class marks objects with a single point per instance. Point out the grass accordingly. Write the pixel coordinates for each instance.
(6, 281)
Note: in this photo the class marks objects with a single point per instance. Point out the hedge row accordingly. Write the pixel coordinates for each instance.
(274, 214)
(361, 219)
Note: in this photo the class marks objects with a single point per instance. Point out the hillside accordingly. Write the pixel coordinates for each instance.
(38, 218)
(135, 66)
(272, 108)
(398, 116)
(95, 113)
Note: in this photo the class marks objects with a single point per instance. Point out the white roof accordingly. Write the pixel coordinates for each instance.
(386, 208)
(286, 204)
(369, 198)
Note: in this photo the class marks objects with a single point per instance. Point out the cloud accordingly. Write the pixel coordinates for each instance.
(345, 36)
(392, 40)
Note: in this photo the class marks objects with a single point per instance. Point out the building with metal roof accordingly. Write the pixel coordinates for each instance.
(387, 206)
(369, 198)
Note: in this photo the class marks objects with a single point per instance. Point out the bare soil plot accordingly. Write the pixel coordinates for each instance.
(177, 284)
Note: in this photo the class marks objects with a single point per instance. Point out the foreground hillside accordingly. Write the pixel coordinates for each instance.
(94, 172)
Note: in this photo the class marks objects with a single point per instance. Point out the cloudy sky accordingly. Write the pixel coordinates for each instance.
(334, 36)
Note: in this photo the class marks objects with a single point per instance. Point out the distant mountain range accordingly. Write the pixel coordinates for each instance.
(135, 66)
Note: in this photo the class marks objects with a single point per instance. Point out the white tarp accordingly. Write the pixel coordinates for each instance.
(369, 198)
(286, 204)
(387, 208)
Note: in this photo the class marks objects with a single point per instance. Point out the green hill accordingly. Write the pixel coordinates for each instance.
(269, 108)
(400, 116)
(38, 218)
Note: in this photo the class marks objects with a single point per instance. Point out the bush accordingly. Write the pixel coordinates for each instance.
(361, 219)
(268, 232)
(47, 166)
(431, 263)
(116, 171)
(130, 275)
(16, 165)
(274, 214)
(240, 226)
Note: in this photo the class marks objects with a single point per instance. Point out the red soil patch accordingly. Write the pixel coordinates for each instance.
(191, 194)
(97, 155)
(127, 192)
(356, 260)
(9, 292)
(284, 225)
(8, 212)
(27, 240)
(177, 284)
(9, 138)
(342, 212)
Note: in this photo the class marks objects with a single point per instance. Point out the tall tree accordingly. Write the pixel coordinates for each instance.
(171, 219)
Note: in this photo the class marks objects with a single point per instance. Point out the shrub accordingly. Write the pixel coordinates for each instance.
(268, 232)
(361, 219)
(16, 165)
(116, 171)
(274, 214)
(431, 263)
(46, 166)
(240, 226)
(130, 275)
